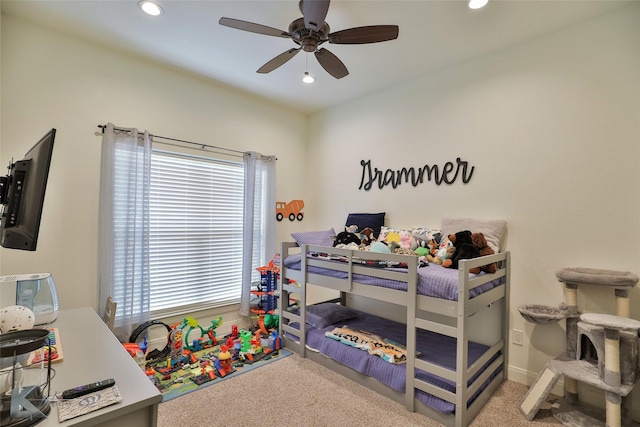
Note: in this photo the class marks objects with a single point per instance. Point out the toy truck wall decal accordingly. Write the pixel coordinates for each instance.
(292, 210)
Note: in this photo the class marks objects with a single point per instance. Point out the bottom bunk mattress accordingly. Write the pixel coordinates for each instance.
(431, 347)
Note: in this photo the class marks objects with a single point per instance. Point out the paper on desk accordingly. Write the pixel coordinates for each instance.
(72, 408)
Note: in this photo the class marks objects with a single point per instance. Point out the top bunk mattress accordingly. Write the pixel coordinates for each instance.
(433, 279)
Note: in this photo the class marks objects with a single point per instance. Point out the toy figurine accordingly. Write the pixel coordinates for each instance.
(224, 361)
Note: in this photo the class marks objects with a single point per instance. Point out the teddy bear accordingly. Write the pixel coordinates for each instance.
(367, 236)
(484, 249)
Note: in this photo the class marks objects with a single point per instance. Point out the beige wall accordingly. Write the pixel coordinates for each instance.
(51, 80)
(552, 128)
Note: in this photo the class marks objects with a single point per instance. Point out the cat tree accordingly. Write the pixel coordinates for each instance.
(602, 351)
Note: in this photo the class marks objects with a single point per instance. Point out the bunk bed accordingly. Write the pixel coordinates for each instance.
(445, 375)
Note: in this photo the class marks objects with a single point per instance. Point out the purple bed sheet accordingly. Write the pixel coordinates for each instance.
(432, 347)
(433, 280)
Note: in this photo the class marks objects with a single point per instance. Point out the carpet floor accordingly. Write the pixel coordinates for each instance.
(262, 397)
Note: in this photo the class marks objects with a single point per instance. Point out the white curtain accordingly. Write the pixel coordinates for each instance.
(258, 219)
(124, 230)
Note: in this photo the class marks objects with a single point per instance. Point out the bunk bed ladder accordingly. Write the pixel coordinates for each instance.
(287, 317)
(495, 356)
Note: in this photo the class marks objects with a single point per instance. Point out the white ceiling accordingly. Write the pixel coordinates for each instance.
(433, 35)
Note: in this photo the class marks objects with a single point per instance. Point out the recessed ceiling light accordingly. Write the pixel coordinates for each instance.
(477, 4)
(150, 7)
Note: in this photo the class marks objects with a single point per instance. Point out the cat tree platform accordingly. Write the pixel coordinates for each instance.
(595, 276)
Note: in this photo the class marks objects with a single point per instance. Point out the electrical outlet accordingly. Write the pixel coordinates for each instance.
(517, 337)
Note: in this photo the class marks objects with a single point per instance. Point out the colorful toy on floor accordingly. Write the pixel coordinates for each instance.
(267, 300)
(223, 361)
(206, 337)
(201, 360)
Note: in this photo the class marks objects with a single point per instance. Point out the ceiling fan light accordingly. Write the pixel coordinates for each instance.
(150, 8)
(477, 4)
(308, 78)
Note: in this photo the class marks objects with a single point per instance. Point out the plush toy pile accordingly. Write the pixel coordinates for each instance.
(463, 245)
(351, 238)
(428, 244)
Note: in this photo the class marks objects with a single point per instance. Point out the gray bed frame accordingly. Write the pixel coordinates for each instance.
(445, 317)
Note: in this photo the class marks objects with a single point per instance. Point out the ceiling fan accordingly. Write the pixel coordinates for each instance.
(311, 31)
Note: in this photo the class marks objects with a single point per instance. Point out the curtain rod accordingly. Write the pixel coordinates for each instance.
(199, 144)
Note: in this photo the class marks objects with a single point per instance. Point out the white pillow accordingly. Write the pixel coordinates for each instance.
(493, 230)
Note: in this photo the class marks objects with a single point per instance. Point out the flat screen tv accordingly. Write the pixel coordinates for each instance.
(22, 196)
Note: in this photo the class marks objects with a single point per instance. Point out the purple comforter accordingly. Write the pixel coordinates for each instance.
(434, 348)
(433, 280)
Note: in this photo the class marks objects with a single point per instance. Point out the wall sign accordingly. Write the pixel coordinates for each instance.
(448, 174)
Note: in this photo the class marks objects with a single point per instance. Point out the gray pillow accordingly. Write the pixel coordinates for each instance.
(320, 238)
(322, 315)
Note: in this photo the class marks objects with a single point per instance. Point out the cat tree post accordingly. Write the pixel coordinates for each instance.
(571, 301)
(623, 310)
(622, 302)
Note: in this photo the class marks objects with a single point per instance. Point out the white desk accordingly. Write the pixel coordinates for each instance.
(92, 353)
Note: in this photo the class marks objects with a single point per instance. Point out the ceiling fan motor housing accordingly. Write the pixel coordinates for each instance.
(308, 39)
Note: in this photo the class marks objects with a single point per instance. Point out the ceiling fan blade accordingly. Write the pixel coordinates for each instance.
(254, 28)
(368, 34)
(314, 12)
(331, 63)
(278, 61)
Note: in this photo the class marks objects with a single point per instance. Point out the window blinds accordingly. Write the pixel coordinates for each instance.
(196, 208)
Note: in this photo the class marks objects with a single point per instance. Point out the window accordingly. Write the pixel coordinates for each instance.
(180, 233)
(195, 233)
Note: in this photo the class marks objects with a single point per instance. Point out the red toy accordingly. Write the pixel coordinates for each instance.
(224, 361)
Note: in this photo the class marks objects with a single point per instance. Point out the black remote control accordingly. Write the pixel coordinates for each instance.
(72, 393)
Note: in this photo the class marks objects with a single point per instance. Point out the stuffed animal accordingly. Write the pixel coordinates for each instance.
(460, 238)
(405, 242)
(366, 236)
(433, 247)
(445, 254)
(464, 249)
(351, 229)
(420, 241)
(440, 251)
(394, 246)
(422, 252)
(380, 247)
(345, 237)
(484, 249)
(392, 236)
